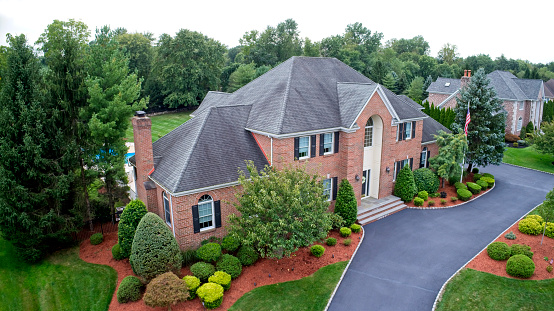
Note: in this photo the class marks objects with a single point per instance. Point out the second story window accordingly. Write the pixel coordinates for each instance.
(406, 130)
(327, 188)
(304, 147)
(521, 105)
(328, 143)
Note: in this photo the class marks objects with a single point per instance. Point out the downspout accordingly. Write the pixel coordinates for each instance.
(171, 211)
(271, 155)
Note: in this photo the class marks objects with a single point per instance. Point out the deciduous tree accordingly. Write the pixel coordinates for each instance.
(452, 148)
(544, 140)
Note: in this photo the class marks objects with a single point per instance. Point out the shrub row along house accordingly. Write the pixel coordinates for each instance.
(316, 112)
(523, 99)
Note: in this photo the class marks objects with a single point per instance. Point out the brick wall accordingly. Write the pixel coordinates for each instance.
(436, 99)
(144, 157)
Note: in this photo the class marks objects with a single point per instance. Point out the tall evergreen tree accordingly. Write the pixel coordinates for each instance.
(451, 153)
(415, 91)
(485, 133)
(426, 85)
(390, 82)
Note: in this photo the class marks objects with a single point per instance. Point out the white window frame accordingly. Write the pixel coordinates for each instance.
(330, 189)
(167, 209)
(519, 124)
(521, 105)
(408, 132)
(404, 163)
(308, 147)
(332, 147)
(368, 128)
(424, 152)
(205, 200)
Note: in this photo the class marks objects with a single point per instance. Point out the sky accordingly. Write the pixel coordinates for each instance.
(519, 30)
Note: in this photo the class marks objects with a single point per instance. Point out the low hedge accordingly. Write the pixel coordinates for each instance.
(476, 177)
(129, 289)
(488, 180)
(96, 238)
(499, 251)
(230, 264)
(464, 194)
(117, 254)
(345, 232)
(202, 270)
(519, 249)
(331, 241)
(423, 194)
(317, 250)
(230, 244)
(356, 228)
(247, 255)
(211, 294)
(459, 185)
(192, 285)
(529, 226)
(488, 175)
(473, 187)
(418, 201)
(209, 252)
(520, 266)
(222, 278)
(484, 185)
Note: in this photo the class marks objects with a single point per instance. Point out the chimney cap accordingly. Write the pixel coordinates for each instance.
(140, 114)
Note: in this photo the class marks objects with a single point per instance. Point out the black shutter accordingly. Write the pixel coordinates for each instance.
(400, 131)
(413, 129)
(217, 209)
(312, 141)
(412, 164)
(428, 155)
(336, 142)
(398, 168)
(195, 219)
(364, 180)
(296, 143)
(421, 163)
(335, 186)
(321, 139)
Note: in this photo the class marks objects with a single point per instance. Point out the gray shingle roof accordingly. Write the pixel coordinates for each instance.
(352, 98)
(430, 128)
(549, 88)
(530, 87)
(403, 110)
(411, 102)
(444, 86)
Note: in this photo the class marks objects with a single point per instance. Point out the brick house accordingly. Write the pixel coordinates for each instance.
(522, 99)
(314, 111)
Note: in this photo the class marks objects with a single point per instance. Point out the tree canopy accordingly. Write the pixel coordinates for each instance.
(452, 148)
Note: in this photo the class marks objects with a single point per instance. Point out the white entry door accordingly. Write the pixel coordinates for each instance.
(366, 183)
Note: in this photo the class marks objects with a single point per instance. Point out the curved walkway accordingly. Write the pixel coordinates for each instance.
(405, 258)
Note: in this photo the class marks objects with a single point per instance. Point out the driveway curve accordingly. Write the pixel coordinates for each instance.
(405, 258)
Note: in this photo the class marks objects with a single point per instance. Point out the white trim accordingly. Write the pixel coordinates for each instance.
(396, 122)
(305, 133)
(330, 198)
(171, 214)
(212, 202)
(448, 98)
(192, 191)
(308, 154)
(429, 142)
(332, 143)
(271, 155)
(385, 100)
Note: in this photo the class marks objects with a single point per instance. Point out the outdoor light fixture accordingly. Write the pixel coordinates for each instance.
(387, 169)
(357, 177)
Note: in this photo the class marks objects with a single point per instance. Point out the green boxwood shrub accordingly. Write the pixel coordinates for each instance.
(192, 285)
(212, 239)
(347, 242)
(189, 257)
(488, 175)
(423, 195)
(345, 232)
(549, 230)
(520, 266)
(222, 278)
(129, 289)
(418, 201)
(202, 270)
(464, 194)
(211, 294)
(488, 180)
(459, 185)
(431, 203)
(530, 226)
(230, 264)
(443, 201)
(356, 228)
(498, 251)
(154, 249)
(209, 252)
(317, 250)
(405, 187)
(331, 241)
(337, 221)
(473, 187)
(475, 170)
(453, 179)
(519, 249)
(434, 195)
(116, 252)
(247, 255)
(230, 243)
(515, 145)
(96, 238)
(426, 180)
(476, 177)
(128, 222)
(484, 185)
(346, 204)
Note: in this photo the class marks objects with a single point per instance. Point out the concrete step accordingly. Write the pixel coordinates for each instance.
(374, 209)
(367, 218)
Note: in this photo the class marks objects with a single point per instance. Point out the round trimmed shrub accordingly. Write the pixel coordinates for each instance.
(431, 203)
(464, 194)
(347, 242)
(519, 249)
(356, 228)
(116, 252)
(230, 243)
(529, 226)
(498, 251)
(423, 194)
(488, 175)
(459, 185)
(155, 250)
(346, 204)
(96, 238)
(128, 222)
(337, 221)
(549, 230)
(488, 180)
(443, 201)
(247, 255)
(209, 252)
(510, 236)
(192, 285)
(476, 177)
(221, 278)
(426, 180)
(475, 170)
(482, 183)
(345, 232)
(418, 201)
(473, 187)
(434, 195)
(212, 239)
(317, 250)
(536, 217)
(129, 289)
(331, 241)
(230, 264)
(211, 294)
(202, 270)
(405, 187)
(520, 266)
(165, 290)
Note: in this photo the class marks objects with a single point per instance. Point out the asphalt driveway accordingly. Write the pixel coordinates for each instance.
(405, 258)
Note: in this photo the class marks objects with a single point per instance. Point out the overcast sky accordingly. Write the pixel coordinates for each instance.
(519, 29)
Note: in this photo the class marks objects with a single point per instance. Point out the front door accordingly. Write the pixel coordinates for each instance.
(366, 181)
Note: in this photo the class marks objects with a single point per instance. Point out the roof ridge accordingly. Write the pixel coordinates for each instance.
(286, 96)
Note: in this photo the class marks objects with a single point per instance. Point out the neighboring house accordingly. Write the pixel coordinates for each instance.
(316, 112)
(523, 99)
(549, 89)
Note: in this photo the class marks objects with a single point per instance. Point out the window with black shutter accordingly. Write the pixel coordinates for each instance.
(336, 142)
(335, 187)
(313, 142)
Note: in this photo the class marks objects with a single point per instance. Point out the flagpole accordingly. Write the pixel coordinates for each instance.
(465, 132)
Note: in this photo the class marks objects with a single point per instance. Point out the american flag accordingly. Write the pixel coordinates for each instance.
(468, 119)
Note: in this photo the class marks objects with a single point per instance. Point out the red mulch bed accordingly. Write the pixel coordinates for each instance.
(486, 264)
(299, 265)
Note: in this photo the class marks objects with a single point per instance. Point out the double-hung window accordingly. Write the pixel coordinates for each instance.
(167, 212)
(406, 130)
(521, 105)
(328, 143)
(327, 188)
(206, 212)
(368, 138)
(304, 147)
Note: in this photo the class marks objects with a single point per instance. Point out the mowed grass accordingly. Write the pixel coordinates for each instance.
(309, 293)
(529, 157)
(61, 282)
(161, 124)
(476, 290)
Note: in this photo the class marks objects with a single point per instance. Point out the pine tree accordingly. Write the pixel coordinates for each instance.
(426, 85)
(390, 82)
(346, 205)
(488, 121)
(415, 91)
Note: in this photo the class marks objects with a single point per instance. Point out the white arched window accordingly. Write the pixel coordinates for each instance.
(519, 123)
(206, 212)
(368, 139)
(167, 212)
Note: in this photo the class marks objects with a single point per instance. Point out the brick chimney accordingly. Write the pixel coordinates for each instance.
(144, 159)
(465, 79)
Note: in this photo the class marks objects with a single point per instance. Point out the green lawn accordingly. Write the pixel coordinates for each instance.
(309, 293)
(162, 124)
(475, 290)
(529, 157)
(61, 282)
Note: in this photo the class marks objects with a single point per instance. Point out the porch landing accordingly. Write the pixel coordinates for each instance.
(373, 209)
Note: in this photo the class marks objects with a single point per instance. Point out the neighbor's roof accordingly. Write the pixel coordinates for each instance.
(431, 127)
(549, 88)
(444, 86)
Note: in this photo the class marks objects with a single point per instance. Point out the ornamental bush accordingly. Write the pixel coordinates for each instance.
(155, 250)
(346, 205)
(418, 201)
(192, 285)
(202, 270)
(520, 266)
(221, 278)
(128, 222)
(510, 236)
(356, 228)
(459, 185)
(475, 170)
(189, 257)
(165, 290)
(464, 194)
(488, 180)
(443, 201)
(116, 252)
(488, 175)
(209, 252)
(331, 241)
(423, 195)
(212, 239)
(230, 243)
(473, 187)
(549, 230)
(434, 195)
(484, 185)
(347, 242)
(453, 199)
(96, 238)
(247, 255)
(345, 232)
(537, 218)
(476, 177)
(230, 264)
(431, 203)
(405, 187)
(530, 226)
(426, 180)
(129, 289)
(515, 145)
(498, 251)
(317, 250)
(519, 249)
(211, 294)
(336, 221)
(443, 194)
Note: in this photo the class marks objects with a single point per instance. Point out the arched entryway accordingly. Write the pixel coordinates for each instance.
(373, 143)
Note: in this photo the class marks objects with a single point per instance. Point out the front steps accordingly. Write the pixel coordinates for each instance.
(374, 209)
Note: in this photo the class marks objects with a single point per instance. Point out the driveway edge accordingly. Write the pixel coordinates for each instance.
(441, 291)
(527, 168)
(345, 270)
(451, 206)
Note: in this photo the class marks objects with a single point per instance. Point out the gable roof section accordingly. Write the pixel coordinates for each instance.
(411, 102)
(404, 110)
(444, 86)
(431, 127)
(532, 88)
(214, 99)
(352, 98)
(206, 150)
(505, 85)
(549, 88)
